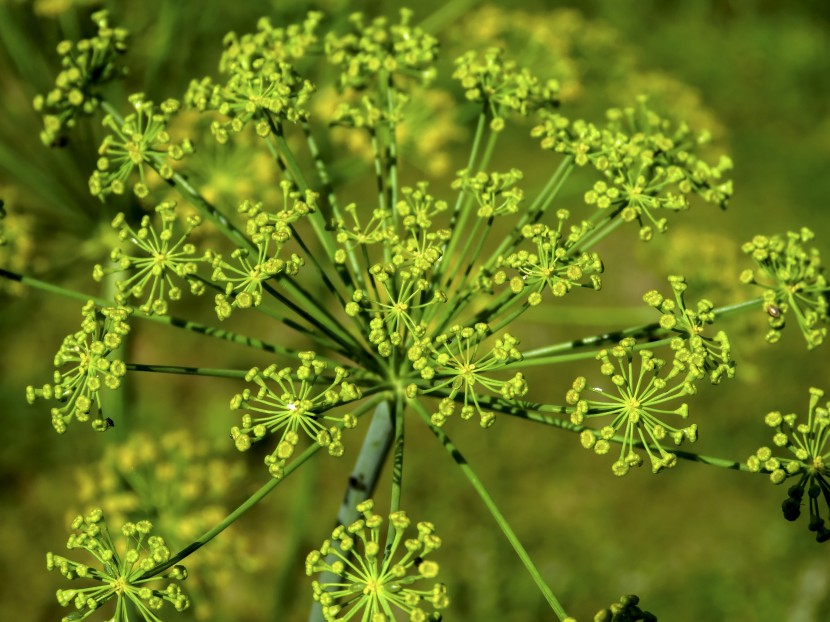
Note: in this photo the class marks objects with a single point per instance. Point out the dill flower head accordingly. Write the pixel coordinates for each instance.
(793, 281)
(87, 65)
(121, 572)
(163, 256)
(138, 142)
(86, 363)
(373, 579)
(808, 460)
(640, 407)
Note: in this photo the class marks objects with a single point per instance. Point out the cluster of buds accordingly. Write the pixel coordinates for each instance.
(123, 576)
(711, 355)
(245, 279)
(458, 372)
(89, 355)
(502, 87)
(647, 165)
(369, 581)
(138, 141)
(807, 443)
(639, 409)
(150, 275)
(87, 65)
(298, 406)
(793, 281)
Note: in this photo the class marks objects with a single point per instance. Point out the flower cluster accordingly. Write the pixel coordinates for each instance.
(703, 354)
(90, 356)
(370, 583)
(555, 265)
(809, 445)
(374, 49)
(86, 65)
(401, 285)
(184, 483)
(647, 165)
(300, 405)
(268, 232)
(453, 366)
(138, 140)
(793, 281)
(262, 85)
(495, 193)
(639, 410)
(379, 61)
(150, 275)
(124, 575)
(503, 87)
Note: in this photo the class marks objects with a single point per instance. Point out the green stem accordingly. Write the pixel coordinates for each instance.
(501, 521)
(650, 331)
(195, 327)
(463, 209)
(596, 236)
(233, 516)
(363, 479)
(397, 466)
(302, 506)
(447, 14)
(577, 356)
(536, 413)
(392, 149)
(189, 371)
(447, 253)
(587, 316)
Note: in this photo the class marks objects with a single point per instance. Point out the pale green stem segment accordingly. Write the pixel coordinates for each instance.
(501, 521)
(363, 479)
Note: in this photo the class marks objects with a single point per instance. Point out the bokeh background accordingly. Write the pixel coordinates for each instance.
(696, 543)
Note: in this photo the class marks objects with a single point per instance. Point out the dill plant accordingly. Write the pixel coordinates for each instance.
(422, 286)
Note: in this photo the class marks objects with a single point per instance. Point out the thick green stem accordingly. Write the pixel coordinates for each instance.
(362, 480)
(500, 519)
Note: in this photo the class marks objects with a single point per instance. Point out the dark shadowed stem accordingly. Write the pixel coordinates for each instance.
(196, 327)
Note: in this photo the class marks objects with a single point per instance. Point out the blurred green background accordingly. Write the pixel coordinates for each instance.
(695, 543)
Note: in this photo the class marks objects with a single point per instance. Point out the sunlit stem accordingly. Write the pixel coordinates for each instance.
(501, 521)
